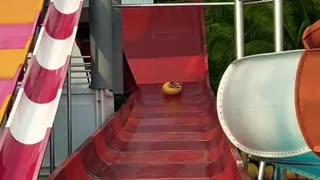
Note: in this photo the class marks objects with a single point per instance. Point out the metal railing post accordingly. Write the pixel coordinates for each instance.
(278, 44)
(98, 110)
(278, 25)
(69, 110)
(278, 32)
(262, 166)
(239, 28)
(52, 151)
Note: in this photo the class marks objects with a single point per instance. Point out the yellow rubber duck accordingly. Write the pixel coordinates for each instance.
(172, 88)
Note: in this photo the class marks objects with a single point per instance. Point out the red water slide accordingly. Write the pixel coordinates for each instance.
(153, 136)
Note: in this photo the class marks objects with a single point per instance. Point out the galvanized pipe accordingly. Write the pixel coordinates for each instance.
(280, 174)
(69, 111)
(81, 83)
(174, 4)
(80, 64)
(278, 25)
(98, 101)
(257, 2)
(286, 163)
(78, 57)
(80, 71)
(73, 57)
(102, 107)
(81, 77)
(239, 28)
(186, 4)
(262, 167)
(52, 151)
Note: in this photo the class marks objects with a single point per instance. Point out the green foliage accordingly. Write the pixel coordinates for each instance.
(258, 21)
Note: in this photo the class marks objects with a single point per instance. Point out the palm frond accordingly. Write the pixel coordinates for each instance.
(258, 47)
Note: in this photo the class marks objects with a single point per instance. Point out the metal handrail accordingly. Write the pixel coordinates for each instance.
(75, 71)
(79, 57)
(80, 77)
(73, 57)
(174, 4)
(80, 83)
(80, 71)
(258, 2)
(189, 4)
(281, 162)
(80, 64)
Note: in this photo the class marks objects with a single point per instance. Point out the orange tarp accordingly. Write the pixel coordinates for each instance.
(19, 12)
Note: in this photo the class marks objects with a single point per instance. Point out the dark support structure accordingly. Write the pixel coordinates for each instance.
(101, 43)
(106, 45)
(117, 50)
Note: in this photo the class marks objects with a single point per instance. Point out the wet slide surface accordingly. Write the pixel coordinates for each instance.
(155, 136)
(17, 24)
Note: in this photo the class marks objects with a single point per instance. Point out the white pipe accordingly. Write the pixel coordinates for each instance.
(187, 4)
(262, 166)
(239, 28)
(278, 25)
(174, 4)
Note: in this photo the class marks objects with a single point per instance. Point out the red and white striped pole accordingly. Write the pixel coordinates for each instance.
(23, 144)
